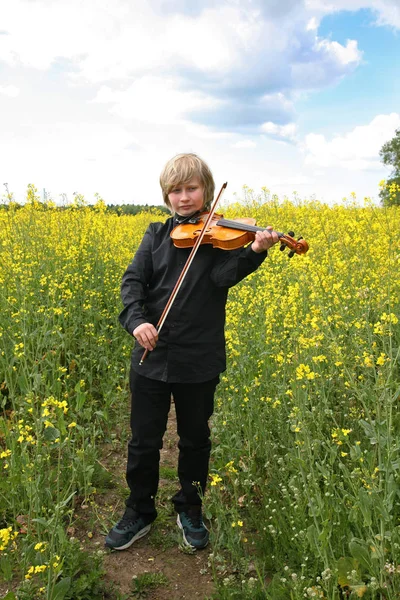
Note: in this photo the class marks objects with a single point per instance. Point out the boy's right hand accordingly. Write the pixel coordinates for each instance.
(146, 334)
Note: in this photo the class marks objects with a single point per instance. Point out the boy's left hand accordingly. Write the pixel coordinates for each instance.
(264, 240)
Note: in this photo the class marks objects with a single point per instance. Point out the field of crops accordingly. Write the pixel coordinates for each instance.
(304, 494)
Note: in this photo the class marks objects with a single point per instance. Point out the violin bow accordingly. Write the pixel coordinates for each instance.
(185, 269)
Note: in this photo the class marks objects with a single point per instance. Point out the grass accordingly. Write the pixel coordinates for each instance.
(146, 582)
(169, 473)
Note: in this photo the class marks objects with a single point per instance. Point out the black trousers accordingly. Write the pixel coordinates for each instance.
(151, 401)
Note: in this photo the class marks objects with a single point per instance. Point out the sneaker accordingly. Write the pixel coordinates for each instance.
(130, 528)
(195, 533)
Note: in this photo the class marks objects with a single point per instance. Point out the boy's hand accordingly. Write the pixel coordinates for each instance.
(146, 334)
(264, 240)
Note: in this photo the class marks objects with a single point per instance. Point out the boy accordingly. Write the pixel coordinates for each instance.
(185, 359)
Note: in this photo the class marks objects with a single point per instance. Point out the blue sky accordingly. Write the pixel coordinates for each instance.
(374, 84)
(294, 95)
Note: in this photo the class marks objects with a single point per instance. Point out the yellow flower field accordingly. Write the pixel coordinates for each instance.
(304, 484)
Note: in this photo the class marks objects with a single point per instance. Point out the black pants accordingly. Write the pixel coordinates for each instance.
(151, 401)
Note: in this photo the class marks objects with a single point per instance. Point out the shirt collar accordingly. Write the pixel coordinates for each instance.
(179, 220)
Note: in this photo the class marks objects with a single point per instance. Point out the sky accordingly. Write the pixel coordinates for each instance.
(297, 96)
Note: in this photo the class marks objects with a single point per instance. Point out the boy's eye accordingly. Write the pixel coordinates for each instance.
(178, 190)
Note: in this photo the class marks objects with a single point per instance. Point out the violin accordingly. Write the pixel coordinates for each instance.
(229, 234)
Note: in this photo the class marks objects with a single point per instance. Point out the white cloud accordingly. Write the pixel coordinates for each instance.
(355, 150)
(9, 90)
(244, 144)
(292, 180)
(312, 24)
(344, 54)
(64, 154)
(334, 62)
(108, 43)
(226, 55)
(387, 11)
(202, 132)
(281, 131)
(155, 100)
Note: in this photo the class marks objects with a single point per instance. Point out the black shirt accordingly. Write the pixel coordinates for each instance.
(191, 344)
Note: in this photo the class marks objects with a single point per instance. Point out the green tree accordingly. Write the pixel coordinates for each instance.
(390, 155)
(134, 209)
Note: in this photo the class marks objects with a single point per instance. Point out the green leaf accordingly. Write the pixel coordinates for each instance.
(6, 568)
(312, 536)
(50, 434)
(365, 504)
(360, 553)
(42, 521)
(369, 430)
(9, 596)
(23, 383)
(345, 566)
(61, 588)
(80, 400)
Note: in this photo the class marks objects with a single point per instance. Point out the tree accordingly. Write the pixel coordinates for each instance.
(390, 155)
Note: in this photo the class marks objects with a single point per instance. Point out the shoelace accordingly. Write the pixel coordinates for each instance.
(126, 521)
(195, 520)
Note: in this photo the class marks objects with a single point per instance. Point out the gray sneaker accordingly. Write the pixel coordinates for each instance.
(195, 533)
(130, 528)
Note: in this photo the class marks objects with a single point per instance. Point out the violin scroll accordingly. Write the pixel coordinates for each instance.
(298, 246)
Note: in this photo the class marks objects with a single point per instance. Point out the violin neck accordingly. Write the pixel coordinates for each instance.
(242, 226)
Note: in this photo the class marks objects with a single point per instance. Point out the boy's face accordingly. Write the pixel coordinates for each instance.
(187, 198)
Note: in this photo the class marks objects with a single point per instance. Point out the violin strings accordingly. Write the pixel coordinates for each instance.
(243, 226)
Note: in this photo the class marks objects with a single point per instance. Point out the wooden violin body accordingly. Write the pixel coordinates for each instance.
(228, 234)
(226, 238)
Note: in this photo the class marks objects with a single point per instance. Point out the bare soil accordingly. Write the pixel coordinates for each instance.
(188, 575)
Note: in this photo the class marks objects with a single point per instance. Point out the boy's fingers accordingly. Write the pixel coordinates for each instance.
(149, 341)
(267, 238)
(272, 234)
(147, 335)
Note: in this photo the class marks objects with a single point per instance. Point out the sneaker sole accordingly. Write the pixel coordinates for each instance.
(135, 538)
(186, 542)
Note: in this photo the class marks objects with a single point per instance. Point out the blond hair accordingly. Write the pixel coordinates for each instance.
(181, 169)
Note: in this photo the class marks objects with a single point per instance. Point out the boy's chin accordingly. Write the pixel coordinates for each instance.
(187, 213)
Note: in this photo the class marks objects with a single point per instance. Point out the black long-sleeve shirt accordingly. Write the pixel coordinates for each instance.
(191, 344)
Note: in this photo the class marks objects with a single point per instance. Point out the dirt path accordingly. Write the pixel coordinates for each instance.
(156, 567)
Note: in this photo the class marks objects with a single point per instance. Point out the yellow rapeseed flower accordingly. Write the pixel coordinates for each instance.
(215, 479)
